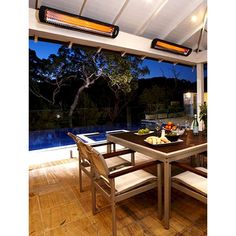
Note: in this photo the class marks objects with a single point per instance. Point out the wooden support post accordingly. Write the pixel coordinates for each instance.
(200, 90)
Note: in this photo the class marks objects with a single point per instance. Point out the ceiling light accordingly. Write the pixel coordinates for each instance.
(170, 47)
(194, 18)
(71, 21)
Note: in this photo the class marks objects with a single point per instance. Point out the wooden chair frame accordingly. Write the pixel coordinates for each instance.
(108, 179)
(186, 189)
(83, 156)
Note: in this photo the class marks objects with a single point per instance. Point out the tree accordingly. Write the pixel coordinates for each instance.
(122, 74)
(84, 66)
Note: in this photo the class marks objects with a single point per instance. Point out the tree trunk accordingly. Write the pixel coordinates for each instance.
(115, 111)
(75, 103)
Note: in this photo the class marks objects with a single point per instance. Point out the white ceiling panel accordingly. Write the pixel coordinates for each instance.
(165, 17)
(137, 13)
(192, 42)
(187, 27)
(71, 6)
(105, 10)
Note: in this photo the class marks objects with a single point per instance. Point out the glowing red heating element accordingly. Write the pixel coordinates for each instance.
(170, 47)
(71, 21)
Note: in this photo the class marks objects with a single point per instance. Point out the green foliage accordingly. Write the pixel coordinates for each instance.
(153, 95)
(153, 98)
(122, 73)
(203, 113)
(88, 113)
(72, 71)
(54, 84)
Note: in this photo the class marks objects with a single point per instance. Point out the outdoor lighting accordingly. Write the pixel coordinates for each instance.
(194, 18)
(170, 47)
(188, 95)
(71, 21)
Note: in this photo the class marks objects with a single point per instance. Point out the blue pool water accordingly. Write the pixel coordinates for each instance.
(101, 136)
(58, 137)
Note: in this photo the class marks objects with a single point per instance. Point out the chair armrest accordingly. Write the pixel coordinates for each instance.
(189, 168)
(101, 144)
(118, 153)
(133, 168)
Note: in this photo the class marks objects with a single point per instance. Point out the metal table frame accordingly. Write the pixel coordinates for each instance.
(166, 159)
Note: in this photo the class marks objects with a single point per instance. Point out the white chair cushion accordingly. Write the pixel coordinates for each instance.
(132, 180)
(115, 162)
(192, 180)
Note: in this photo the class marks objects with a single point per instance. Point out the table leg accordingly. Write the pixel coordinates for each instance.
(108, 148)
(159, 200)
(132, 159)
(167, 193)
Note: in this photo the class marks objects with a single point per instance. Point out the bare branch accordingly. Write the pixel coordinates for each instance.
(175, 73)
(37, 94)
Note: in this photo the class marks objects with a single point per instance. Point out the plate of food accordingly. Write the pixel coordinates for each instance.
(144, 131)
(156, 141)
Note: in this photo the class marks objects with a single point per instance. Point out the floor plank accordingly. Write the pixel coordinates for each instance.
(58, 208)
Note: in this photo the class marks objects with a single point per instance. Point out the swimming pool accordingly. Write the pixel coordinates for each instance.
(98, 137)
(42, 139)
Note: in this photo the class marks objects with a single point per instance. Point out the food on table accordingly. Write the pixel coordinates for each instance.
(170, 126)
(165, 140)
(172, 136)
(143, 131)
(174, 127)
(156, 140)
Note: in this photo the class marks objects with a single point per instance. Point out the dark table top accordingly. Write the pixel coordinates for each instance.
(189, 140)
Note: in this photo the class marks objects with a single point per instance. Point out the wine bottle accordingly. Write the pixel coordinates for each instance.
(195, 125)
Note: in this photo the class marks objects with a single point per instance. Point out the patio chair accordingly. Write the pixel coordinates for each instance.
(193, 181)
(121, 184)
(84, 161)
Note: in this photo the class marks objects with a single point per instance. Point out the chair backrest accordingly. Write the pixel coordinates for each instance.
(83, 148)
(99, 164)
(74, 137)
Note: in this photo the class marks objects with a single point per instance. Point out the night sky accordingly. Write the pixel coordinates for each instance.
(44, 49)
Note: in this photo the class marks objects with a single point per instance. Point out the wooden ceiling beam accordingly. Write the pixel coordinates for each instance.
(70, 45)
(99, 50)
(82, 8)
(202, 31)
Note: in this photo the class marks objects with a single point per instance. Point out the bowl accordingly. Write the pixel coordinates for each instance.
(173, 137)
(181, 132)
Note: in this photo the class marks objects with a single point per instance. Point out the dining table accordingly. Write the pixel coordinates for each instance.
(188, 145)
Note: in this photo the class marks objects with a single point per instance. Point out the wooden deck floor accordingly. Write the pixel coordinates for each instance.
(57, 208)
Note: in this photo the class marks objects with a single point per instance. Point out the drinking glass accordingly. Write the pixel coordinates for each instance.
(186, 126)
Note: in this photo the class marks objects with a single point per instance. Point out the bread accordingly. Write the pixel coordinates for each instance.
(165, 140)
(153, 140)
(156, 140)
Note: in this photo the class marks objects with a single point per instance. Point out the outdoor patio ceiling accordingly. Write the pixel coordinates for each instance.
(181, 22)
